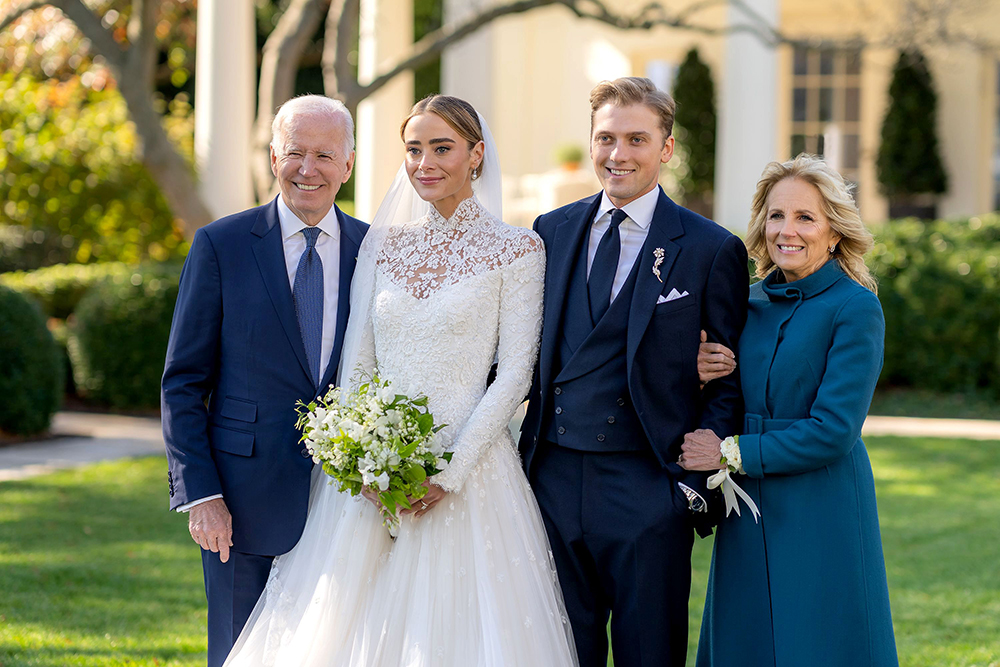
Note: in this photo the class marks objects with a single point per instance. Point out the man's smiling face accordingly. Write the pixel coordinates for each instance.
(627, 146)
(310, 163)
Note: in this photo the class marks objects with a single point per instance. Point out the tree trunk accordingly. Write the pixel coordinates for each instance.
(279, 63)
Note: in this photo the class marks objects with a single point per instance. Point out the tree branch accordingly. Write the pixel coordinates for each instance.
(20, 11)
(101, 38)
(279, 63)
(341, 32)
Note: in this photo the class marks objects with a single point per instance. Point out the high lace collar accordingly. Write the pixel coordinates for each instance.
(816, 282)
(468, 212)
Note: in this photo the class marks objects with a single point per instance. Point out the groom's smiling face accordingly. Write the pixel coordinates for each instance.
(627, 146)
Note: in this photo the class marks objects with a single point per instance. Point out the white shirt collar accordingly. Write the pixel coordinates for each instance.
(640, 211)
(292, 224)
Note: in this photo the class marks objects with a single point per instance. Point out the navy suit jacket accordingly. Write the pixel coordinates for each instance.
(700, 258)
(235, 367)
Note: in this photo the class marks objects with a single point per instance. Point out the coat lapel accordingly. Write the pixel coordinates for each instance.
(270, 255)
(666, 225)
(351, 236)
(569, 236)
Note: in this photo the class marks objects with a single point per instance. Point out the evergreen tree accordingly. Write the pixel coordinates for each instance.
(695, 124)
(909, 161)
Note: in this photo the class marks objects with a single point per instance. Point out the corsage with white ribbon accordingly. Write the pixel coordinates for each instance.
(733, 463)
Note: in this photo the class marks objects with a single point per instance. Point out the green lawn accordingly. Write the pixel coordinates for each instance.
(94, 571)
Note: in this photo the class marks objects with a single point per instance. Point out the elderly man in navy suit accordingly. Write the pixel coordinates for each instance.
(632, 280)
(259, 325)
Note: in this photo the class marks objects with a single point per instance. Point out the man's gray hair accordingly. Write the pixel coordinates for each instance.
(313, 105)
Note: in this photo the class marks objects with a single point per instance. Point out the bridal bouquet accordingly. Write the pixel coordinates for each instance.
(377, 438)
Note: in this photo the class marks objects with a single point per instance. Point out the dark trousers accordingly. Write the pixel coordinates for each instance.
(621, 535)
(232, 589)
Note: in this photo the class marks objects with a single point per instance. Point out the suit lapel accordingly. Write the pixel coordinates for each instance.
(666, 225)
(569, 236)
(350, 241)
(270, 255)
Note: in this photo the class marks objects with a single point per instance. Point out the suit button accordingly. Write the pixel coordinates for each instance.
(558, 411)
(621, 401)
(611, 419)
(561, 430)
(305, 453)
(557, 391)
(600, 437)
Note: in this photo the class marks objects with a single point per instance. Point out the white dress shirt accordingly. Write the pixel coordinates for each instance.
(293, 241)
(633, 229)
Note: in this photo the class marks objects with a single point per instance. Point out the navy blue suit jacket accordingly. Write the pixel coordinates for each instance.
(701, 258)
(235, 367)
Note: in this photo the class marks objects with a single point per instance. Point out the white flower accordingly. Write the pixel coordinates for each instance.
(731, 452)
(383, 481)
(387, 394)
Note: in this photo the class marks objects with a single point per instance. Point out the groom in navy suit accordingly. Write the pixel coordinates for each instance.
(632, 280)
(259, 325)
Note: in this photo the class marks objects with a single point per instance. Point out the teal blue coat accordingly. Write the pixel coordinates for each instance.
(806, 585)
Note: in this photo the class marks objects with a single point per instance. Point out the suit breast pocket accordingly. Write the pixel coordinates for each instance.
(677, 305)
(231, 441)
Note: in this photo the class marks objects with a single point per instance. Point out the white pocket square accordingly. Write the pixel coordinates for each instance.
(673, 296)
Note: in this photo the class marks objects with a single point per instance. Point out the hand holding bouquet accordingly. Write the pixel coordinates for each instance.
(374, 437)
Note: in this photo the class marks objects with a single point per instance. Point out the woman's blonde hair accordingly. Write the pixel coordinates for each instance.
(838, 206)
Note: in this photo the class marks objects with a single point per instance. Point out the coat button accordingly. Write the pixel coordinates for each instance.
(557, 391)
(558, 411)
(621, 401)
(600, 437)
(305, 453)
(611, 419)
(561, 430)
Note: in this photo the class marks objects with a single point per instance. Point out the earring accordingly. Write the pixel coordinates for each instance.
(832, 249)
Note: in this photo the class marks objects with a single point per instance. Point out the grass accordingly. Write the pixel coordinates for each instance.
(95, 572)
(899, 402)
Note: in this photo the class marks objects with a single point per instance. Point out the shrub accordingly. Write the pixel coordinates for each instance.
(694, 92)
(938, 284)
(909, 161)
(58, 289)
(118, 338)
(71, 188)
(31, 380)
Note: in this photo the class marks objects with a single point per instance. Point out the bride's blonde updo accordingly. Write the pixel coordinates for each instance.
(460, 116)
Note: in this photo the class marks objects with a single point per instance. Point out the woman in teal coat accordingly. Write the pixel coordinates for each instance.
(804, 585)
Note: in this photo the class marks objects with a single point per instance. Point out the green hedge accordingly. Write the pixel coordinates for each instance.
(31, 379)
(118, 338)
(938, 284)
(58, 289)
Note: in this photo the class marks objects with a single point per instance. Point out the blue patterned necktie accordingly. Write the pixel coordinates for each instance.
(307, 293)
(604, 268)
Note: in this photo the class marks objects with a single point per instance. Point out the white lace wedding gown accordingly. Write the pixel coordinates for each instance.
(472, 582)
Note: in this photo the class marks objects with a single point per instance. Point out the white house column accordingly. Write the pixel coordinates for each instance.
(386, 33)
(747, 114)
(224, 103)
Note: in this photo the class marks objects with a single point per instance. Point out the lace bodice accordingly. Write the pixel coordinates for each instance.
(450, 297)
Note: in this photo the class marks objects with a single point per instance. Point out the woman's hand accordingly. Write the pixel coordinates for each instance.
(701, 450)
(372, 497)
(714, 360)
(434, 495)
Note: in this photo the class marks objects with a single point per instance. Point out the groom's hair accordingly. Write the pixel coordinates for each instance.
(630, 90)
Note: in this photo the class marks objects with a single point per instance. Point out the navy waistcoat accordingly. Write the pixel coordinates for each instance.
(592, 410)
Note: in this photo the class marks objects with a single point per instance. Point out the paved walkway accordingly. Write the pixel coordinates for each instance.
(86, 437)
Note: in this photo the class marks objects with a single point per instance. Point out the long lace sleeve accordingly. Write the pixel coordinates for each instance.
(520, 325)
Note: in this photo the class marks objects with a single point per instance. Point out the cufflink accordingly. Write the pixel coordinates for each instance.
(695, 502)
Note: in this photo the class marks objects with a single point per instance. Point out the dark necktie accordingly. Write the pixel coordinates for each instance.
(604, 268)
(307, 293)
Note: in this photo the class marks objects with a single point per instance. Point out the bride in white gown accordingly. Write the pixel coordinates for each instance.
(440, 292)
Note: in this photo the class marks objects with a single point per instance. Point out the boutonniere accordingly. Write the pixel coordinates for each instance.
(658, 254)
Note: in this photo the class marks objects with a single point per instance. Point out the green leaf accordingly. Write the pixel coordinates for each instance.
(414, 473)
(400, 499)
(388, 501)
(425, 422)
(406, 451)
